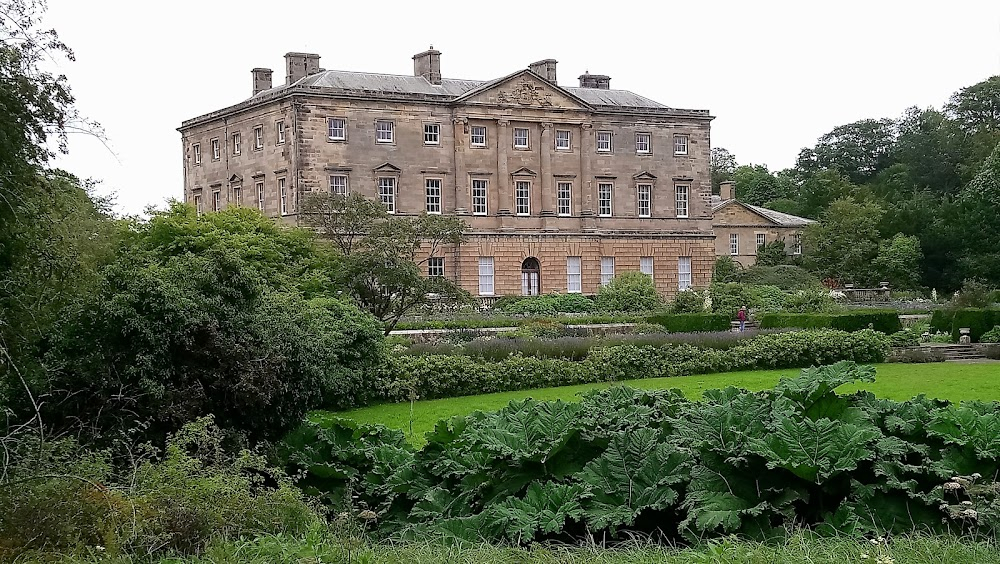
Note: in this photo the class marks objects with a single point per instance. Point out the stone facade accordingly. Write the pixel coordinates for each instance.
(741, 227)
(537, 170)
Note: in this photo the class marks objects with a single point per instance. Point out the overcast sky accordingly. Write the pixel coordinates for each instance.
(776, 74)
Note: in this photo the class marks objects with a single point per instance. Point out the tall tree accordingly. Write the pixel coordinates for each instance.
(844, 243)
(756, 185)
(721, 166)
(979, 203)
(858, 150)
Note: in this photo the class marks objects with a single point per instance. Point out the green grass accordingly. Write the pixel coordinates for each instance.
(946, 380)
(799, 548)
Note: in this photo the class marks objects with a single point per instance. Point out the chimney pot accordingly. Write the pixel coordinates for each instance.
(428, 65)
(545, 69)
(261, 80)
(599, 81)
(300, 65)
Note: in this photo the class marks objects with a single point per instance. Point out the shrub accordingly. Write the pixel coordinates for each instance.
(978, 321)
(973, 294)
(727, 299)
(809, 301)
(550, 304)
(883, 321)
(787, 277)
(991, 336)
(691, 322)
(905, 338)
(688, 301)
(629, 292)
(726, 270)
(539, 329)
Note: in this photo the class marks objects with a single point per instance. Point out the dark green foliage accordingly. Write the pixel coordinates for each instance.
(974, 293)
(484, 321)
(787, 277)
(688, 301)
(905, 338)
(692, 322)
(550, 304)
(978, 321)
(991, 336)
(727, 299)
(439, 376)
(942, 320)
(629, 292)
(625, 462)
(772, 254)
(883, 321)
(726, 270)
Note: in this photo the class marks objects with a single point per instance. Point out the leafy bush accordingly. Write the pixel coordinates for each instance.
(787, 277)
(691, 322)
(629, 292)
(991, 336)
(726, 270)
(550, 304)
(973, 294)
(688, 301)
(772, 254)
(942, 320)
(905, 338)
(727, 299)
(484, 321)
(880, 320)
(624, 462)
(809, 301)
(539, 330)
(439, 376)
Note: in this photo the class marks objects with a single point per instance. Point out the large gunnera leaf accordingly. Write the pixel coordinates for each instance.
(815, 450)
(635, 473)
(545, 508)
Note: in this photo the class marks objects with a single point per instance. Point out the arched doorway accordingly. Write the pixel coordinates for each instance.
(531, 281)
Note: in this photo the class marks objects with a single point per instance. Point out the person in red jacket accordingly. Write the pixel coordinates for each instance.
(742, 316)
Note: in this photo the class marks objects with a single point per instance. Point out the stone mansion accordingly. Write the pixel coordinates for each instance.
(562, 187)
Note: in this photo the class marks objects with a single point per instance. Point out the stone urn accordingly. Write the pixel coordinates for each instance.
(964, 337)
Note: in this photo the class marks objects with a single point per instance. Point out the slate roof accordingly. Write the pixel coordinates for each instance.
(370, 82)
(782, 219)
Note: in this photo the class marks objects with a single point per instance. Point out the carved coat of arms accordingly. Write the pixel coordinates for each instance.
(526, 94)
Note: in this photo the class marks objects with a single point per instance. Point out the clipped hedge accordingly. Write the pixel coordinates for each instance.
(979, 321)
(884, 321)
(440, 376)
(941, 320)
(691, 322)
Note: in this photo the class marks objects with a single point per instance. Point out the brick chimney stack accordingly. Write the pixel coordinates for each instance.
(300, 65)
(727, 190)
(261, 80)
(545, 69)
(599, 81)
(428, 65)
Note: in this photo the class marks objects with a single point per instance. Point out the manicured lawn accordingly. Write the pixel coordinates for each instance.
(947, 380)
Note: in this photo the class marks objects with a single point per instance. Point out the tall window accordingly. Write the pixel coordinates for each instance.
(485, 276)
(734, 244)
(196, 148)
(564, 195)
(283, 193)
(607, 270)
(642, 143)
(680, 144)
(520, 138)
(479, 191)
(432, 134)
(522, 197)
(435, 266)
(603, 141)
(681, 198)
(279, 131)
(645, 197)
(646, 266)
(215, 150)
(336, 129)
(574, 275)
(259, 186)
(761, 241)
(433, 192)
(797, 248)
(258, 137)
(237, 195)
(531, 277)
(477, 136)
(237, 140)
(216, 201)
(197, 203)
(604, 191)
(383, 131)
(683, 273)
(387, 192)
(338, 184)
(562, 140)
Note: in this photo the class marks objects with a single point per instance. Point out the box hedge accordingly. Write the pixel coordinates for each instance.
(884, 321)
(942, 320)
(691, 322)
(979, 321)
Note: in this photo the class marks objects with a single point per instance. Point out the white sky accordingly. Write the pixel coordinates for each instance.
(776, 74)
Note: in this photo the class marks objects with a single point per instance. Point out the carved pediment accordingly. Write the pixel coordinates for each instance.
(387, 168)
(524, 171)
(523, 89)
(235, 179)
(644, 175)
